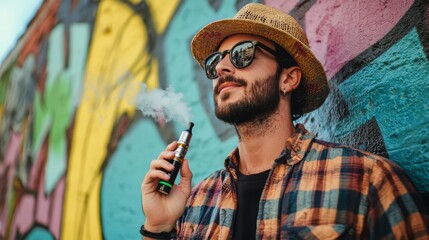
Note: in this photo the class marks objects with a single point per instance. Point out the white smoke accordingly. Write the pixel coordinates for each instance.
(163, 105)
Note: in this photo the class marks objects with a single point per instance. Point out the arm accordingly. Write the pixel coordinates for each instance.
(162, 211)
(396, 209)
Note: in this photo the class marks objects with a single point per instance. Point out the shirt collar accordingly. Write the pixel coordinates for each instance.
(295, 148)
(299, 144)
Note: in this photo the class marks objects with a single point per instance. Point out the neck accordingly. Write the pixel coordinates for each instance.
(262, 141)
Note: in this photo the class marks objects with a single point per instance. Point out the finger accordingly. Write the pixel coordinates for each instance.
(153, 176)
(185, 171)
(171, 146)
(166, 155)
(156, 165)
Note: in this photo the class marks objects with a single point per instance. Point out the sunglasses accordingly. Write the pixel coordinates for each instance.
(241, 55)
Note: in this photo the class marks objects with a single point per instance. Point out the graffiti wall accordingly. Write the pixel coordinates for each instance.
(74, 147)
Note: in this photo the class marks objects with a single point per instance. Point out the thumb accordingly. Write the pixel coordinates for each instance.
(185, 176)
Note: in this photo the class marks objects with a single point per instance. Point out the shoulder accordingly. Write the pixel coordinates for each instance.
(313, 150)
(352, 162)
(323, 150)
(378, 169)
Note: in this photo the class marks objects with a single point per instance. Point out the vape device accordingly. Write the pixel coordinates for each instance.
(179, 155)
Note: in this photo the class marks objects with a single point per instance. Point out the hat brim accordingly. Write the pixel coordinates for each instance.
(208, 39)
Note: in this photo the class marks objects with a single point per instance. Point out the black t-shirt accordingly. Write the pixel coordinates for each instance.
(249, 190)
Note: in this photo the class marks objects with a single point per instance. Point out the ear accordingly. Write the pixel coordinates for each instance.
(290, 79)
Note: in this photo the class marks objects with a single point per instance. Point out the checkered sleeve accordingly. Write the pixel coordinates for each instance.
(396, 210)
(210, 209)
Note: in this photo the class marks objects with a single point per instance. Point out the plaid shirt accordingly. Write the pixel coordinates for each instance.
(315, 190)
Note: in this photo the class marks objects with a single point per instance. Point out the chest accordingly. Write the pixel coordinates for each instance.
(295, 202)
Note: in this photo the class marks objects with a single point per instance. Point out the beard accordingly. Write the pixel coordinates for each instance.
(259, 103)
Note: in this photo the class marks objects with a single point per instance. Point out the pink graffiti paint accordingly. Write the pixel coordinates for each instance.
(8, 169)
(12, 152)
(285, 6)
(23, 219)
(49, 209)
(340, 30)
(37, 168)
(57, 209)
(42, 204)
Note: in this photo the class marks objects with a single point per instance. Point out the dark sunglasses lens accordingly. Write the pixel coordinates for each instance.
(210, 65)
(242, 54)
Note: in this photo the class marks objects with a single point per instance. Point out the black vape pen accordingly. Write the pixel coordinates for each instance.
(179, 156)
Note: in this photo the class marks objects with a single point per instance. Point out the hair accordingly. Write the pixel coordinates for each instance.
(298, 102)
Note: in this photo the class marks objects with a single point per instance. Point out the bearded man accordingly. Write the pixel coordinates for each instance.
(280, 181)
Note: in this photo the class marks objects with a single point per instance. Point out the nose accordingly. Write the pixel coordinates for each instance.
(225, 66)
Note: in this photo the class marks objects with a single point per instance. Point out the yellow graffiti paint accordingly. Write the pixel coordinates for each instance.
(117, 65)
(159, 10)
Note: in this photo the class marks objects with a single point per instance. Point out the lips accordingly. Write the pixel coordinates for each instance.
(228, 82)
(227, 85)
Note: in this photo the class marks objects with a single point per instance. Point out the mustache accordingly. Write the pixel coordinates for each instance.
(238, 81)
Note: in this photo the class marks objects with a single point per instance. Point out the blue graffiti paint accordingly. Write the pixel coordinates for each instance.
(393, 89)
(120, 190)
(39, 233)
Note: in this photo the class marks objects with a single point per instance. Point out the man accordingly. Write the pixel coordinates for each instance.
(280, 182)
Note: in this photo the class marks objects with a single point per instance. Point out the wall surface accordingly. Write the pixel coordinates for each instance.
(74, 147)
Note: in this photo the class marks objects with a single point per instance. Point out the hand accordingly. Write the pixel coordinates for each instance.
(162, 211)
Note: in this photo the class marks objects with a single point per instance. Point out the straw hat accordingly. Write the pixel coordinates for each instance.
(277, 26)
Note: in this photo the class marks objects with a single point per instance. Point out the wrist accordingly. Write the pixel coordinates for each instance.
(158, 228)
(157, 235)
